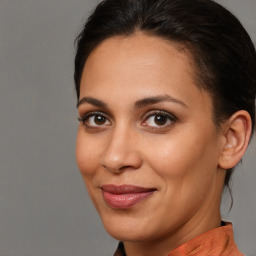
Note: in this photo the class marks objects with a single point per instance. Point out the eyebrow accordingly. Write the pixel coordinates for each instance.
(138, 104)
(92, 101)
(157, 99)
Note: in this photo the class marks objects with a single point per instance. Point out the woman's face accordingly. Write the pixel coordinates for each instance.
(147, 147)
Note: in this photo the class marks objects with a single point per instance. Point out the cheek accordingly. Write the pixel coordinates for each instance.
(184, 157)
(187, 169)
(170, 156)
(87, 160)
(86, 155)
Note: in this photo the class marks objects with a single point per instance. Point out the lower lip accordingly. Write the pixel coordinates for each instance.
(125, 201)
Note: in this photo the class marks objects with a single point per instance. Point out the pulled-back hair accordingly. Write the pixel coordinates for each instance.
(223, 54)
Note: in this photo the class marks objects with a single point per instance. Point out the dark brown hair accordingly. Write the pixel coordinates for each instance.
(222, 51)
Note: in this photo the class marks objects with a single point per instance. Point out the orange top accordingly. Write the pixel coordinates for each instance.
(216, 242)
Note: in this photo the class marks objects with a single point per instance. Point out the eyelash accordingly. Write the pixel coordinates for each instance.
(170, 117)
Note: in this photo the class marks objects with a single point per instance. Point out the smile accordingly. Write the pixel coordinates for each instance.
(125, 196)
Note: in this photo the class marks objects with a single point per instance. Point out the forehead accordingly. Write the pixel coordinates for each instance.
(139, 65)
(143, 49)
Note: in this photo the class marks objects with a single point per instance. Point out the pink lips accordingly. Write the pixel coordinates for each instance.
(125, 196)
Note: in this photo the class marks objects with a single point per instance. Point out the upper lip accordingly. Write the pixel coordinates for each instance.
(125, 189)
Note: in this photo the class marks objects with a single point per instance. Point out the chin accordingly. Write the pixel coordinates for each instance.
(128, 235)
(124, 227)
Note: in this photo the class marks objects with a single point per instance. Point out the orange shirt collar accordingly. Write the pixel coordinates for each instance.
(216, 242)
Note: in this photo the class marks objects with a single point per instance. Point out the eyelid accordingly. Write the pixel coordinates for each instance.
(160, 112)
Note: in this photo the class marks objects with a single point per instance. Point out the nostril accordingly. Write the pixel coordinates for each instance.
(119, 169)
(126, 167)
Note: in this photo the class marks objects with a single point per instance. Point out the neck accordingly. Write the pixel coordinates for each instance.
(161, 246)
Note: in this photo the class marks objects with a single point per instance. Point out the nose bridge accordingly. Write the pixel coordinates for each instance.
(121, 151)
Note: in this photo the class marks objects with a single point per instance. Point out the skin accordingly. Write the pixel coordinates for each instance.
(180, 157)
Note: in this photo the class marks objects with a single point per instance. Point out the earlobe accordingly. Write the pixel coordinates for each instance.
(236, 132)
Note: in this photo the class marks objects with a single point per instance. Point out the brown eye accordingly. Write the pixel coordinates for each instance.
(99, 120)
(94, 120)
(160, 119)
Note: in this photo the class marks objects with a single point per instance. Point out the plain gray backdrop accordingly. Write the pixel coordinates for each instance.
(44, 206)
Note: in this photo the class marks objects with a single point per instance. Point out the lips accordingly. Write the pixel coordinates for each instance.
(125, 196)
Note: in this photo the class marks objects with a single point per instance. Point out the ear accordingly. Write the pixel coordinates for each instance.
(236, 137)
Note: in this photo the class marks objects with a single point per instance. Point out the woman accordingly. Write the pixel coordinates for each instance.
(166, 101)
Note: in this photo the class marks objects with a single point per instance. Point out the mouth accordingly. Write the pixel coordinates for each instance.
(125, 196)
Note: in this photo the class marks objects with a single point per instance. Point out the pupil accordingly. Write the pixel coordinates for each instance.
(99, 120)
(160, 119)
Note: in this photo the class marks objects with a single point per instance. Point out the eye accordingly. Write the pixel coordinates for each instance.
(159, 119)
(94, 120)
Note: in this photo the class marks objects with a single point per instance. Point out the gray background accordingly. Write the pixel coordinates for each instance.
(44, 207)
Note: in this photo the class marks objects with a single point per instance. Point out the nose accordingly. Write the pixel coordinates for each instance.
(122, 151)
